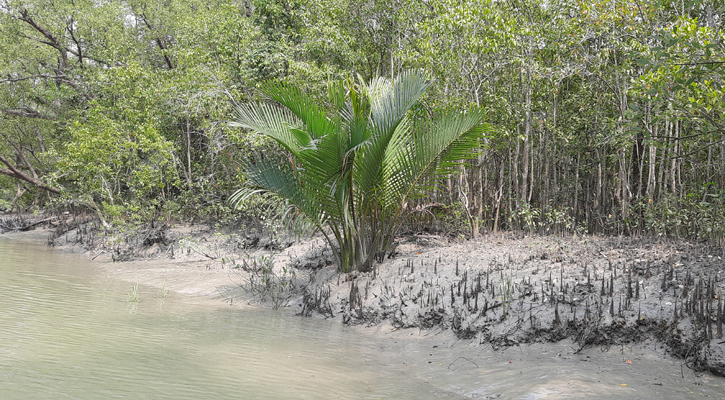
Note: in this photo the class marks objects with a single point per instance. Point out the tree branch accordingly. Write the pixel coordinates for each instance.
(51, 40)
(15, 173)
(21, 155)
(701, 63)
(159, 42)
(24, 112)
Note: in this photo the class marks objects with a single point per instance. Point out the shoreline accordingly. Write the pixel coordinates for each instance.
(504, 290)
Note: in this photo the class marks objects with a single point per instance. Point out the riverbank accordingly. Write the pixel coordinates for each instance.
(503, 290)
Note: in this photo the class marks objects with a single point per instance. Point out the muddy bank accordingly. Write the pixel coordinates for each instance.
(511, 289)
(502, 290)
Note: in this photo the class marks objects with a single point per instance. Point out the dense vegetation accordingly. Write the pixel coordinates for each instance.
(606, 116)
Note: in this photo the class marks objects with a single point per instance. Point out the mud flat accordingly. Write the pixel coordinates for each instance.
(502, 290)
(512, 289)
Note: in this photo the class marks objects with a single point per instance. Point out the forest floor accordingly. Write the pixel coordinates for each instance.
(503, 289)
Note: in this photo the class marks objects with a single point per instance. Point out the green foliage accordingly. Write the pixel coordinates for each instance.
(700, 216)
(449, 220)
(685, 72)
(350, 174)
(113, 161)
(545, 221)
(606, 116)
(525, 216)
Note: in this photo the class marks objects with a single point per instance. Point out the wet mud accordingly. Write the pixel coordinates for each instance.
(510, 289)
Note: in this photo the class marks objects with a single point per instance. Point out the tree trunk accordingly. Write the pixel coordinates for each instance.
(651, 178)
(623, 187)
(576, 189)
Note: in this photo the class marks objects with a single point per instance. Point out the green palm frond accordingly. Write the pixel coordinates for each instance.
(350, 175)
(273, 121)
(313, 117)
(321, 165)
(337, 95)
(389, 106)
(268, 176)
(432, 152)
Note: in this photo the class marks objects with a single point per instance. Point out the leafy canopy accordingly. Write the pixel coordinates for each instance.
(352, 171)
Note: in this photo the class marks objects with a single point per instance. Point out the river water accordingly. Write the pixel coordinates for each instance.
(67, 331)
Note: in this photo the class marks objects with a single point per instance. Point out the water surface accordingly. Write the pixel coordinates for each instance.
(67, 331)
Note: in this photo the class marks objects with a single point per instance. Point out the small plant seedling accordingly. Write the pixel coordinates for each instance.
(133, 295)
(163, 292)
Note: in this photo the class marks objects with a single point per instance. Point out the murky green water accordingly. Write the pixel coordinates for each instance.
(68, 332)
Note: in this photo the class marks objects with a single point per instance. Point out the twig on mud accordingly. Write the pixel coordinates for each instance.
(454, 361)
(224, 296)
(193, 245)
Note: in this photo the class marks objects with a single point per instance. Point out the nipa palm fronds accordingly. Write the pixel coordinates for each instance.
(352, 172)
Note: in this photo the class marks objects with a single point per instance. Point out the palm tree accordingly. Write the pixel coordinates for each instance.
(353, 171)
